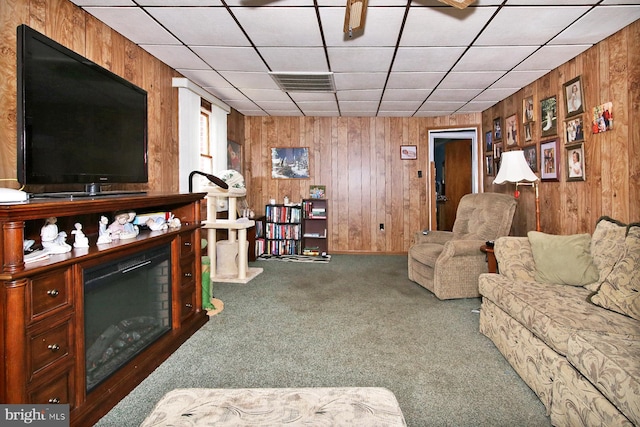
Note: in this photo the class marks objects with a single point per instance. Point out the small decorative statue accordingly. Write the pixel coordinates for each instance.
(122, 227)
(52, 240)
(104, 234)
(81, 240)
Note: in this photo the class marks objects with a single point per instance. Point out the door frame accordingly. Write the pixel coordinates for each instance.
(453, 133)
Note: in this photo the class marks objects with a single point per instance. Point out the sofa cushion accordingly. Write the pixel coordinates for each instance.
(563, 260)
(611, 363)
(607, 246)
(553, 312)
(426, 253)
(620, 290)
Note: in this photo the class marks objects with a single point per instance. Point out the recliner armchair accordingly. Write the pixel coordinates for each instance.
(448, 263)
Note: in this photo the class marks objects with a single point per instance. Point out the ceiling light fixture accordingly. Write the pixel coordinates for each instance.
(355, 16)
(459, 4)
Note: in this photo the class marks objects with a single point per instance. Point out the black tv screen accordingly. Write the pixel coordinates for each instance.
(78, 123)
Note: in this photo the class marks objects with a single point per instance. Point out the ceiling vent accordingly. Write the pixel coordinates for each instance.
(304, 82)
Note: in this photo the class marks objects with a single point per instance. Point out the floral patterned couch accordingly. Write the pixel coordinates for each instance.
(576, 344)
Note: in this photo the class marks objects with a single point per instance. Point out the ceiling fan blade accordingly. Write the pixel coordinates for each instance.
(460, 4)
(356, 12)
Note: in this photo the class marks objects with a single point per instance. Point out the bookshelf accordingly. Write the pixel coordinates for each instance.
(314, 222)
(283, 229)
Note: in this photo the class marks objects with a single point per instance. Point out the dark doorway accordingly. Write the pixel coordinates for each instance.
(453, 159)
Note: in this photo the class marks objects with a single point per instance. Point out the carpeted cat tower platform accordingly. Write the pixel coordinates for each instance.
(323, 406)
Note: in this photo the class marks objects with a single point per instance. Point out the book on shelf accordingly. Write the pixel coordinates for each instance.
(311, 251)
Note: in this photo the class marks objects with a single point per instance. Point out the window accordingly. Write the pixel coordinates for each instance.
(206, 160)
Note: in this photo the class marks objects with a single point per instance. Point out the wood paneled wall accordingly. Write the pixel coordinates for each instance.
(64, 22)
(358, 159)
(610, 71)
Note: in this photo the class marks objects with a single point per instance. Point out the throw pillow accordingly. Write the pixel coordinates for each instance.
(620, 291)
(562, 260)
(607, 245)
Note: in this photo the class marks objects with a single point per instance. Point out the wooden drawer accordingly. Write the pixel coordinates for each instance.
(57, 390)
(187, 241)
(187, 302)
(49, 292)
(48, 345)
(187, 271)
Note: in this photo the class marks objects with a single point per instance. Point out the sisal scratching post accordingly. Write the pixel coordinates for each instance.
(227, 258)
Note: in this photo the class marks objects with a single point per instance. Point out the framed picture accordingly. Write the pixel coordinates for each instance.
(488, 142)
(549, 160)
(511, 130)
(497, 128)
(573, 101)
(531, 156)
(317, 191)
(234, 156)
(289, 163)
(497, 150)
(528, 131)
(528, 110)
(489, 165)
(602, 118)
(573, 130)
(575, 163)
(408, 152)
(548, 116)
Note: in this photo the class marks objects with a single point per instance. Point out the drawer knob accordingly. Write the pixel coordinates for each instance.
(187, 274)
(187, 243)
(53, 347)
(53, 293)
(188, 305)
(54, 400)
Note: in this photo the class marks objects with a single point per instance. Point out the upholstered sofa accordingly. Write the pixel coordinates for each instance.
(565, 312)
(448, 263)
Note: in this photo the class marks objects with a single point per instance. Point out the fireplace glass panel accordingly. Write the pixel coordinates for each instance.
(127, 307)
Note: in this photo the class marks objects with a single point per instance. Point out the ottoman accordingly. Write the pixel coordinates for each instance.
(324, 406)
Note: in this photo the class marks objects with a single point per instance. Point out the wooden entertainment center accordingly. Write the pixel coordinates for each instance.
(42, 314)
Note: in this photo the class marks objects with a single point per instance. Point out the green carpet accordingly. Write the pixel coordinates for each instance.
(356, 321)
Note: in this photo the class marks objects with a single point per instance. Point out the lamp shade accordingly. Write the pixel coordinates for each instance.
(514, 168)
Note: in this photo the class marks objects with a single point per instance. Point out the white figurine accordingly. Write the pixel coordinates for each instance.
(156, 224)
(122, 227)
(81, 240)
(52, 240)
(104, 235)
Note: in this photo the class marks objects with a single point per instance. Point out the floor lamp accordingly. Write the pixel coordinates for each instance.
(514, 168)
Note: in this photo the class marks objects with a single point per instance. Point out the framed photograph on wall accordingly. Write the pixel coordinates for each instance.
(511, 130)
(489, 165)
(497, 129)
(497, 150)
(234, 156)
(548, 117)
(549, 160)
(488, 142)
(602, 118)
(573, 130)
(531, 156)
(289, 163)
(317, 191)
(575, 163)
(528, 131)
(528, 110)
(408, 152)
(573, 101)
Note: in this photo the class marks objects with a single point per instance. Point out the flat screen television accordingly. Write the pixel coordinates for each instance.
(78, 123)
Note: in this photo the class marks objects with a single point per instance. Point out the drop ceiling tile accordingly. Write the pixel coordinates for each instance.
(400, 105)
(287, 113)
(549, 2)
(261, 96)
(200, 26)
(414, 80)
(549, 57)
(205, 78)
(359, 95)
(441, 106)
(241, 105)
(360, 59)
(393, 113)
(227, 58)
(137, 25)
(476, 106)
(518, 78)
(454, 95)
(598, 24)
(382, 26)
(270, 26)
(318, 106)
(179, 3)
(494, 58)
(313, 96)
(528, 25)
(358, 106)
(495, 95)
(444, 26)
(268, 104)
(406, 94)
(295, 58)
(227, 93)
(243, 80)
(354, 81)
(103, 2)
(176, 56)
(470, 80)
(426, 58)
(270, 3)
